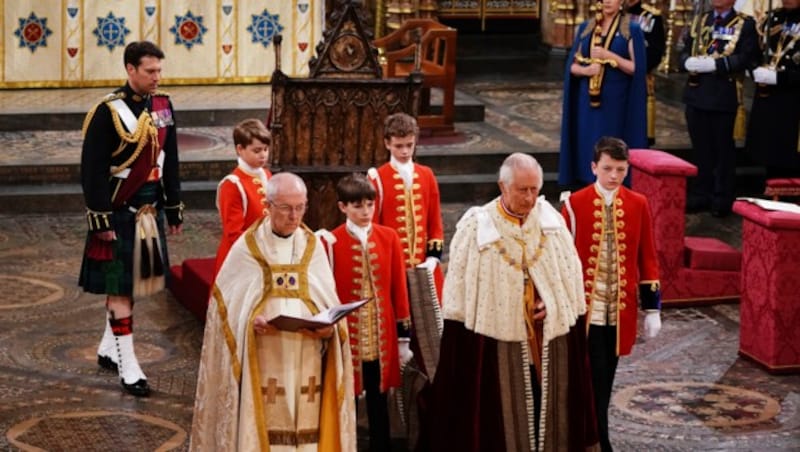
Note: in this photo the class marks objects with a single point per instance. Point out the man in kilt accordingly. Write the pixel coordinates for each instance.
(129, 174)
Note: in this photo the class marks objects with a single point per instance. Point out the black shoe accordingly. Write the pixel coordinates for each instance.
(139, 389)
(107, 363)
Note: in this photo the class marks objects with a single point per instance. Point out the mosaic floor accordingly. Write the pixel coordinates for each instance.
(685, 391)
(519, 116)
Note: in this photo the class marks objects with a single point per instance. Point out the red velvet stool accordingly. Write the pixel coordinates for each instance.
(769, 310)
(191, 284)
(693, 269)
(782, 187)
(708, 253)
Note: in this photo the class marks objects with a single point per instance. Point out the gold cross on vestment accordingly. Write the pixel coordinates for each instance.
(272, 390)
(311, 389)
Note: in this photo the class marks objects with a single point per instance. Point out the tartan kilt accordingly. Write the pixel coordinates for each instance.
(93, 275)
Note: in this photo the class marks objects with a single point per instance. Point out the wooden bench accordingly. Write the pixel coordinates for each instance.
(431, 46)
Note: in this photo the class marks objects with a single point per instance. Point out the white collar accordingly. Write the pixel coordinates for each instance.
(405, 170)
(608, 195)
(407, 166)
(253, 170)
(361, 233)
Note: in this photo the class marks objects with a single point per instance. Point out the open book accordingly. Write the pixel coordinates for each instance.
(773, 205)
(325, 318)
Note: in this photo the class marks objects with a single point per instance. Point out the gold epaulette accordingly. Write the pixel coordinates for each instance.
(651, 9)
(90, 114)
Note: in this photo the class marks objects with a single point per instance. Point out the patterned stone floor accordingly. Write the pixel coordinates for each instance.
(685, 391)
(520, 115)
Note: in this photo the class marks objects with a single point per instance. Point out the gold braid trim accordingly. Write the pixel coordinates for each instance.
(654, 283)
(90, 114)
(144, 129)
(625, 26)
(652, 9)
(740, 122)
(704, 38)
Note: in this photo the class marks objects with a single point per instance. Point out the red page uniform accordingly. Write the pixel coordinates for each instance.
(241, 201)
(618, 253)
(379, 272)
(414, 211)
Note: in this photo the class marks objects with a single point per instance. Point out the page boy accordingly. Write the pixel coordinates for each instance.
(367, 261)
(614, 237)
(408, 198)
(241, 195)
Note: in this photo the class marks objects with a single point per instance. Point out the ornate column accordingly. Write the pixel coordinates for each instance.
(559, 20)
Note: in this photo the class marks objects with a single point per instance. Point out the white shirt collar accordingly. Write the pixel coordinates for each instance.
(406, 170)
(361, 233)
(608, 195)
(253, 171)
(247, 168)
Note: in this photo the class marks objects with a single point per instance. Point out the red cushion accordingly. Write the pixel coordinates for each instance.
(784, 182)
(783, 187)
(768, 218)
(660, 162)
(711, 254)
(200, 271)
(192, 284)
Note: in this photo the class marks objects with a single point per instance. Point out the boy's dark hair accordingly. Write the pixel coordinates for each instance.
(355, 188)
(138, 49)
(614, 147)
(399, 125)
(250, 129)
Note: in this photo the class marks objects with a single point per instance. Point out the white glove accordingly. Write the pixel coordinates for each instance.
(652, 323)
(701, 64)
(404, 352)
(429, 264)
(691, 64)
(765, 75)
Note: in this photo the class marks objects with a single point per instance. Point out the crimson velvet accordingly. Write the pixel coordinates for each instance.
(661, 177)
(778, 187)
(769, 312)
(467, 388)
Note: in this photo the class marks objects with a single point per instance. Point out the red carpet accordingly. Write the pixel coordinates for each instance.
(191, 284)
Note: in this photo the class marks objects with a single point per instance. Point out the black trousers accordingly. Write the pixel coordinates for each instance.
(714, 154)
(603, 359)
(377, 407)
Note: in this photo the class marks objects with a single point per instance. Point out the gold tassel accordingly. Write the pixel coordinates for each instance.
(739, 126)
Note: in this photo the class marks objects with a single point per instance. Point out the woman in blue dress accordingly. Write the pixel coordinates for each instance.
(604, 90)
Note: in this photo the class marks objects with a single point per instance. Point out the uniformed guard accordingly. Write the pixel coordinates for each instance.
(716, 50)
(129, 174)
(648, 16)
(772, 138)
